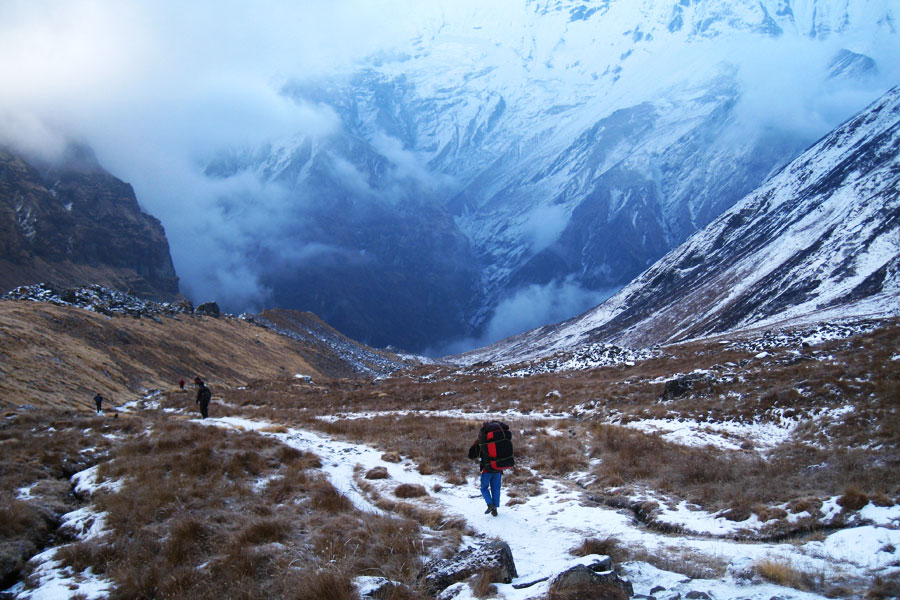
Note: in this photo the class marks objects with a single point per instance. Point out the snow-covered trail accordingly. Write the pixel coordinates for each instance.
(542, 530)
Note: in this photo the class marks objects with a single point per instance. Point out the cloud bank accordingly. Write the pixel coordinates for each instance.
(155, 88)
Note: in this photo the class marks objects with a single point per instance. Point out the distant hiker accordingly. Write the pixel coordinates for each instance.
(493, 449)
(203, 398)
(181, 384)
(98, 400)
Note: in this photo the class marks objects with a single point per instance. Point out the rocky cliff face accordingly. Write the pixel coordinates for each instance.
(73, 223)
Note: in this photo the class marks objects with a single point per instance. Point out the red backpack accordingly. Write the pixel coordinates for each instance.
(495, 441)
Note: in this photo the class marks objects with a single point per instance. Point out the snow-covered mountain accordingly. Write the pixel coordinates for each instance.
(820, 240)
(562, 144)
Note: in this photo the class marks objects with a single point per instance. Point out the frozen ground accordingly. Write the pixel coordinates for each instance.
(542, 530)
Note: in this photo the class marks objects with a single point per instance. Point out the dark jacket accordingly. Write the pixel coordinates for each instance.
(203, 394)
(475, 452)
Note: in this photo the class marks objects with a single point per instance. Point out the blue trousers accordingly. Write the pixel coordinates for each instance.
(490, 487)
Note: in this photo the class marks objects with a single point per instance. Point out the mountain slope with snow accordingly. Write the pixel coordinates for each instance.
(554, 142)
(819, 240)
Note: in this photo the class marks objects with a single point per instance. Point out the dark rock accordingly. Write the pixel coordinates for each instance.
(184, 305)
(208, 308)
(598, 577)
(495, 557)
(697, 595)
(657, 589)
(77, 225)
(13, 555)
(682, 386)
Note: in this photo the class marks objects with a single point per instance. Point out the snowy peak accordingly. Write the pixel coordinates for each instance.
(562, 147)
(820, 240)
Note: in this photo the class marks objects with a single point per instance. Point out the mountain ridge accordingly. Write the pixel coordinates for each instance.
(818, 240)
(63, 345)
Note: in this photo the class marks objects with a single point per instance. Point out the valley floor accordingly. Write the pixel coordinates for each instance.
(543, 529)
(722, 470)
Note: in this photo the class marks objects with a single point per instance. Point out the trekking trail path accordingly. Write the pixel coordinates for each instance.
(543, 529)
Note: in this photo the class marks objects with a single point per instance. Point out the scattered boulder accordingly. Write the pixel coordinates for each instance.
(494, 557)
(99, 299)
(210, 309)
(681, 386)
(594, 581)
(183, 305)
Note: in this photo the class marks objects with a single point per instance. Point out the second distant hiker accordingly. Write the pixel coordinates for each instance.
(493, 449)
(203, 398)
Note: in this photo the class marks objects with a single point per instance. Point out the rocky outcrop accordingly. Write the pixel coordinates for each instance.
(493, 557)
(75, 224)
(99, 299)
(594, 580)
(210, 309)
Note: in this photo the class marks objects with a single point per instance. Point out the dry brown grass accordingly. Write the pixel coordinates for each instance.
(410, 490)
(608, 546)
(679, 559)
(41, 451)
(192, 492)
(122, 356)
(852, 499)
(783, 572)
(377, 473)
(191, 520)
(482, 583)
(326, 584)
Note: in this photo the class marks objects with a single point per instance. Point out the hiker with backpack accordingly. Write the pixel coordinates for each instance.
(98, 400)
(203, 397)
(493, 450)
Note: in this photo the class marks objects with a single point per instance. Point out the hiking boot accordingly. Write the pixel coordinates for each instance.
(491, 509)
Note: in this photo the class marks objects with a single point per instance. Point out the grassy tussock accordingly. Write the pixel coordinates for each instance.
(482, 584)
(410, 490)
(608, 546)
(783, 572)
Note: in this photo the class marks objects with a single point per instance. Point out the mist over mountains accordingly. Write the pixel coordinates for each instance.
(506, 165)
(818, 242)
